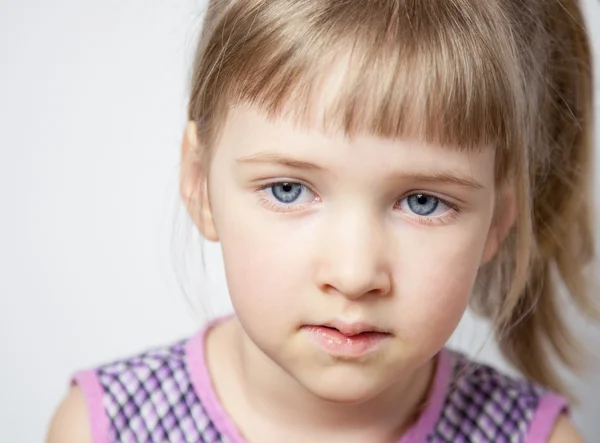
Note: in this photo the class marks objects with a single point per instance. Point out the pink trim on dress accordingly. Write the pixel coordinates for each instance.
(201, 381)
(431, 415)
(92, 391)
(546, 415)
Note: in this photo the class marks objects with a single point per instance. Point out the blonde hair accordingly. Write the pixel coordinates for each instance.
(513, 75)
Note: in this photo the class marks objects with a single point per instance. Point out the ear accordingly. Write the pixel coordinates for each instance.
(505, 213)
(193, 183)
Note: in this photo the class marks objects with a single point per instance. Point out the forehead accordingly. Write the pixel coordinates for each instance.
(251, 136)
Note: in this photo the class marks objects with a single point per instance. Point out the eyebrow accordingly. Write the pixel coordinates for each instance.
(445, 177)
(277, 159)
(433, 177)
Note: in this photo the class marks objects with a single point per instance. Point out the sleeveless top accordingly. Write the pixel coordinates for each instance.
(166, 395)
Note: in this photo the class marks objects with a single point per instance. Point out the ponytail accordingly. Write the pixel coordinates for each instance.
(534, 331)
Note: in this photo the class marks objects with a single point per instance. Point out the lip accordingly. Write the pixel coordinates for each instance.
(353, 328)
(347, 340)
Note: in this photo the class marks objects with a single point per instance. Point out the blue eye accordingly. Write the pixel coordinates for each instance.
(287, 196)
(422, 204)
(286, 192)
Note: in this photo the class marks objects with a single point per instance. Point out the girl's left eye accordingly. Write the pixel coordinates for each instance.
(423, 205)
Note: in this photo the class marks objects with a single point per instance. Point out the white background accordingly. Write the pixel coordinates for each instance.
(92, 107)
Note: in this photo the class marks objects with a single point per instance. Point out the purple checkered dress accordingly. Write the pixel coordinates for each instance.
(165, 395)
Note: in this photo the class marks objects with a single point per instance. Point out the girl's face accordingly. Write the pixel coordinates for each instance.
(324, 237)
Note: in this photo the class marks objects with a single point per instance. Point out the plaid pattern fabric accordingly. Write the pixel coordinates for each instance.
(484, 406)
(150, 398)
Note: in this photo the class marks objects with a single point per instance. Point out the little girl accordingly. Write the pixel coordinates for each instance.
(371, 167)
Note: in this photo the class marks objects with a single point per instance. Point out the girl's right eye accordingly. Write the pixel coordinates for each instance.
(286, 196)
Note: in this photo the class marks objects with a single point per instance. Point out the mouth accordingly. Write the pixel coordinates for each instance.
(351, 334)
(347, 339)
(354, 329)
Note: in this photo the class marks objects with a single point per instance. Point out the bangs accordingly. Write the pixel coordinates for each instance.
(442, 72)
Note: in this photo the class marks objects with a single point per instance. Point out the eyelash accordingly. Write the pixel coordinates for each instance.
(443, 219)
(280, 207)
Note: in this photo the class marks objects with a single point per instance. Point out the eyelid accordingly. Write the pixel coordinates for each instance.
(267, 183)
(282, 207)
(445, 218)
(451, 203)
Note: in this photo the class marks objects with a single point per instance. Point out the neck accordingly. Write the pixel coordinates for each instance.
(274, 397)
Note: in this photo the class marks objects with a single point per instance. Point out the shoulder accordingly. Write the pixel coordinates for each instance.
(70, 422)
(500, 407)
(172, 355)
(481, 383)
(565, 432)
(131, 382)
(110, 400)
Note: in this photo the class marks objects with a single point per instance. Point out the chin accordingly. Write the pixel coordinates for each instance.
(344, 387)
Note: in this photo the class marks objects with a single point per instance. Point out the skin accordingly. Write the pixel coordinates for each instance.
(350, 248)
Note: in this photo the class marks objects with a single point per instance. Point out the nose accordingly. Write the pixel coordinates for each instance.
(353, 258)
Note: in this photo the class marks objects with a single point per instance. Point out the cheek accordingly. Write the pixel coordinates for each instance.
(265, 264)
(434, 285)
(440, 299)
